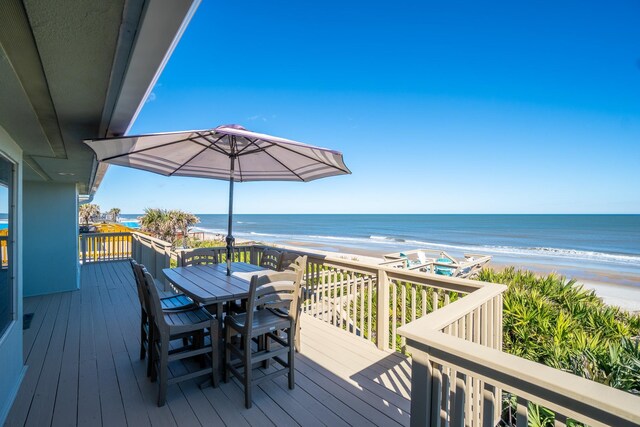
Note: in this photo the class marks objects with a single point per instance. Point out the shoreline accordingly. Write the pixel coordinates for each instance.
(617, 289)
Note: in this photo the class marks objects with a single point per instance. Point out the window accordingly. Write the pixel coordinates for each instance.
(7, 294)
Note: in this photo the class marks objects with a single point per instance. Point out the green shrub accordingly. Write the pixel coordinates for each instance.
(554, 321)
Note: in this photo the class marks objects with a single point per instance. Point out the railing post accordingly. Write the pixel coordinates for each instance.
(382, 311)
(421, 385)
(83, 248)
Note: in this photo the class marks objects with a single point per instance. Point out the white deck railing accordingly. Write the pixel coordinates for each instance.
(456, 382)
(104, 246)
(452, 328)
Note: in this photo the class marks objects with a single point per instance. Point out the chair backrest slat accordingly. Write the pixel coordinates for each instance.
(299, 266)
(154, 300)
(199, 256)
(281, 287)
(271, 259)
(287, 259)
(138, 273)
(278, 290)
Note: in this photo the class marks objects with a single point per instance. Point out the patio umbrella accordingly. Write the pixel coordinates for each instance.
(229, 152)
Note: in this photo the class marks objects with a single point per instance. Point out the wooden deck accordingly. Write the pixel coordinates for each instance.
(82, 350)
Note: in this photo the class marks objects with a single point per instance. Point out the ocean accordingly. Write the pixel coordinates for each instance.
(605, 243)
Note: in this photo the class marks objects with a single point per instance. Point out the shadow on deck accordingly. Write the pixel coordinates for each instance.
(82, 350)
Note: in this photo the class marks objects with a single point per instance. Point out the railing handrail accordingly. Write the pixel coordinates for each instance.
(440, 319)
(110, 233)
(152, 239)
(438, 281)
(562, 392)
(600, 404)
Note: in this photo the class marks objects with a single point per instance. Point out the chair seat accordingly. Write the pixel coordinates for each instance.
(263, 321)
(187, 318)
(176, 302)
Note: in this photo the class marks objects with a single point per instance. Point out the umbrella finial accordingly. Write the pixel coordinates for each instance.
(232, 126)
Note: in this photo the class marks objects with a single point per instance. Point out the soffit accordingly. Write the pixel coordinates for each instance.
(66, 69)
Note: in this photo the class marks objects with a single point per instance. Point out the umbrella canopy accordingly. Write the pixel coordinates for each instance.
(229, 152)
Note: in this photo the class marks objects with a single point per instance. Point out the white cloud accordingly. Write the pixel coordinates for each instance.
(257, 117)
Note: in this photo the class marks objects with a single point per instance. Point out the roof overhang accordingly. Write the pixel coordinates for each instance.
(72, 70)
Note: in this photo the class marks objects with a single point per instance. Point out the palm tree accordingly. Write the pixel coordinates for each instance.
(88, 212)
(114, 213)
(181, 221)
(154, 222)
(165, 224)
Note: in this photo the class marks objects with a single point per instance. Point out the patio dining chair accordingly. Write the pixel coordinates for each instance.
(197, 325)
(299, 266)
(271, 259)
(271, 307)
(287, 259)
(172, 303)
(198, 256)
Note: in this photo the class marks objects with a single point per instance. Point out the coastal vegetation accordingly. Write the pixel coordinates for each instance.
(168, 225)
(552, 320)
(113, 214)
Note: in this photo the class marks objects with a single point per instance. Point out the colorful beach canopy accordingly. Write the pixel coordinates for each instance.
(229, 152)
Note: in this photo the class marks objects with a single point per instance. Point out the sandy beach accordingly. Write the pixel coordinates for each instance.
(619, 289)
(616, 287)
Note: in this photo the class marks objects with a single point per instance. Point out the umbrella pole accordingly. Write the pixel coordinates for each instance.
(230, 239)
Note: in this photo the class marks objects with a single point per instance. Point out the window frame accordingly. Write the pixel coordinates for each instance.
(12, 203)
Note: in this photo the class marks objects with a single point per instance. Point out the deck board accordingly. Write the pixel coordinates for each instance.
(84, 369)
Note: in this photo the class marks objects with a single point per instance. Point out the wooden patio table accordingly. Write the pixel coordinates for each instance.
(209, 285)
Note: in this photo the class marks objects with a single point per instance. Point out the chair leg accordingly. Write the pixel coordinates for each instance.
(290, 340)
(226, 361)
(143, 334)
(247, 371)
(297, 335)
(213, 333)
(164, 370)
(267, 347)
(198, 342)
(151, 350)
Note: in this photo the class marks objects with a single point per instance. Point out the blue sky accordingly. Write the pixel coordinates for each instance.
(438, 107)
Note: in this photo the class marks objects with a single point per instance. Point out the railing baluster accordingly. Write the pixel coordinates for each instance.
(458, 414)
(362, 319)
(488, 405)
(403, 313)
(421, 389)
(476, 326)
(490, 323)
(436, 395)
(394, 314)
(354, 304)
(334, 298)
(370, 307)
(314, 285)
(413, 302)
(445, 413)
(522, 411)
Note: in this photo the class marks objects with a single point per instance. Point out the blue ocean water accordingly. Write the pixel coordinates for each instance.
(611, 242)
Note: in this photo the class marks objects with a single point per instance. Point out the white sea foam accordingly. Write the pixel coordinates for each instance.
(397, 243)
(209, 230)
